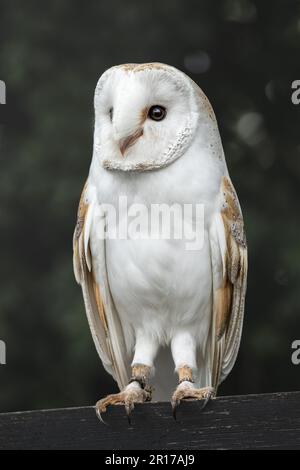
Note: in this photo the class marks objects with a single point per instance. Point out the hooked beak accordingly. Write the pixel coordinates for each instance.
(129, 141)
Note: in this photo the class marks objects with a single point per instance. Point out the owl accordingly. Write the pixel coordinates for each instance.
(166, 319)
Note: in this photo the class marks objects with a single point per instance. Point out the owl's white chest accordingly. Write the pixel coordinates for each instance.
(158, 284)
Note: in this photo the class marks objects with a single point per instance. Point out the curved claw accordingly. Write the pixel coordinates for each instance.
(129, 407)
(188, 392)
(128, 397)
(175, 404)
(205, 402)
(98, 414)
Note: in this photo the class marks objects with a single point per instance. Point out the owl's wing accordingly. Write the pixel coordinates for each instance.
(229, 266)
(102, 316)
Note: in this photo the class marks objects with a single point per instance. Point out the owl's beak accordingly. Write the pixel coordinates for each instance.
(129, 141)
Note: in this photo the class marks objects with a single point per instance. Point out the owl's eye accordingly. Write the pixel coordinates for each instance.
(157, 112)
(111, 113)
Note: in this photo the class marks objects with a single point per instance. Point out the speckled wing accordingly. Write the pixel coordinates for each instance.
(229, 265)
(102, 317)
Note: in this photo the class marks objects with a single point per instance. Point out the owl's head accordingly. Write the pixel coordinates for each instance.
(146, 116)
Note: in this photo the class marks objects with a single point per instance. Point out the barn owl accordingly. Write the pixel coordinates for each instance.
(160, 314)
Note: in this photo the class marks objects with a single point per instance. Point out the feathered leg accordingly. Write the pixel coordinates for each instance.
(137, 391)
(184, 355)
(186, 389)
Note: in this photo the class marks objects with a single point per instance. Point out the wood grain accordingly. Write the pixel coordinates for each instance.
(270, 421)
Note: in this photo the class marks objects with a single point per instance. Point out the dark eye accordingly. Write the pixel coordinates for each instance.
(157, 112)
(111, 113)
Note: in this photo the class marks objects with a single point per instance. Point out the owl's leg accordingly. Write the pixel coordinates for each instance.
(184, 355)
(138, 389)
(186, 389)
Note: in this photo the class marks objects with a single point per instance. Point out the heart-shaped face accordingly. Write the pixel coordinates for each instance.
(146, 116)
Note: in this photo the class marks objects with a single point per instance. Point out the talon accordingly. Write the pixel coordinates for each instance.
(129, 407)
(98, 414)
(128, 414)
(209, 396)
(186, 391)
(128, 397)
(174, 408)
(205, 403)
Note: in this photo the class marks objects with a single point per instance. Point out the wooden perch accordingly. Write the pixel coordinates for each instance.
(270, 421)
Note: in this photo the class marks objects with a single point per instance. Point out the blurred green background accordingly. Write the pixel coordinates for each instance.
(245, 55)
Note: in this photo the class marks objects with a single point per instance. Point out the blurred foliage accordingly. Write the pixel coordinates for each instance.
(244, 54)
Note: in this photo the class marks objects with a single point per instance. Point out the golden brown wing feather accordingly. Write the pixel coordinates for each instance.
(106, 332)
(229, 298)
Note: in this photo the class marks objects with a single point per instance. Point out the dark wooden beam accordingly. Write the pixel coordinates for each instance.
(270, 421)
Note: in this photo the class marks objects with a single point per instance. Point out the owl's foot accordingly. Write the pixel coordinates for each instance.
(186, 390)
(131, 394)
